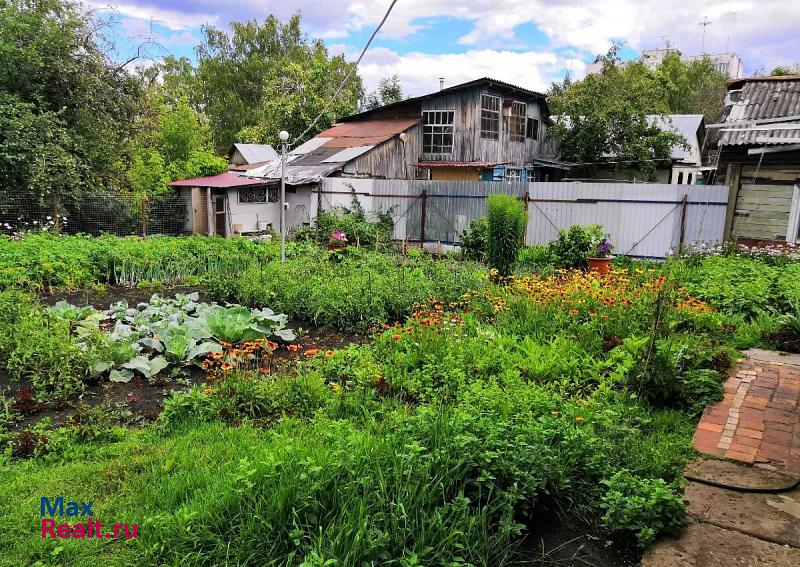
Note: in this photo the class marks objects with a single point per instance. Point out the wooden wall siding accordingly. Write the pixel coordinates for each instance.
(467, 142)
(392, 159)
(199, 210)
(455, 174)
(762, 211)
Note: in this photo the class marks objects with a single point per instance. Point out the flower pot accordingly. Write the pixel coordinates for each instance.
(336, 247)
(600, 265)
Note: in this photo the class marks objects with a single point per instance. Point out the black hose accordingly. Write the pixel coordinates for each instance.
(744, 489)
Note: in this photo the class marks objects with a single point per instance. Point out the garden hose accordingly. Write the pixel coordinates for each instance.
(744, 489)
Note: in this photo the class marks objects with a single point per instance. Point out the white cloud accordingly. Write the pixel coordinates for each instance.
(419, 72)
(763, 32)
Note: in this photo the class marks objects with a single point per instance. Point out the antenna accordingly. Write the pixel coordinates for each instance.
(705, 23)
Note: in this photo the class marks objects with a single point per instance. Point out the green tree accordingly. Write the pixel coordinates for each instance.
(54, 66)
(785, 70)
(175, 144)
(607, 115)
(389, 90)
(267, 77)
(694, 87)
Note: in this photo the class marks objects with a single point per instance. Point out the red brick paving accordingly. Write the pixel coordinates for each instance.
(759, 418)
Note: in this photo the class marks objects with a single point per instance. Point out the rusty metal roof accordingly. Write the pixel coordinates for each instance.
(366, 132)
(478, 164)
(221, 181)
(762, 98)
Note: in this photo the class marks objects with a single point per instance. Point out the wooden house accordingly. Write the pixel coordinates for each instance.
(481, 130)
(757, 146)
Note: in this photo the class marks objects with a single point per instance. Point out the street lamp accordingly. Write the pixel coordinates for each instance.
(284, 136)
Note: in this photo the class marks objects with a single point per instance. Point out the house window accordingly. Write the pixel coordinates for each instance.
(249, 195)
(516, 122)
(490, 117)
(513, 175)
(437, 132)
(532, 130)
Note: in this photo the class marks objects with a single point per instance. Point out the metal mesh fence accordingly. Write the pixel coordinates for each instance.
(98, 213)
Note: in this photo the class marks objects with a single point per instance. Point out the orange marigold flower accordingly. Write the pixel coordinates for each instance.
(292, 348)
(328, 354)
(397, 337)
(573, 311)
(312, 351)
(579, 418)
(208, 391)
(264, 370)
(226, 367)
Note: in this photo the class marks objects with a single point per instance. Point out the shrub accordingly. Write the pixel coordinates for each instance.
(506, 232)
(735, 285)
(646, 507)
(573, 246)
(357, 227)
(535, 259)
(475, 240)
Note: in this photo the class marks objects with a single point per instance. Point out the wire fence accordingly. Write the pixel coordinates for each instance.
(98, 213)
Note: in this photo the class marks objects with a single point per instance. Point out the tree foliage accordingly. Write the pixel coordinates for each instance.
(266, 77)
(607, 115)
(66, 110)
(389, 90)
(693, 87)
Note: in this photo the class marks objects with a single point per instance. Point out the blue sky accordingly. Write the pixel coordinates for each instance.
(526, 42)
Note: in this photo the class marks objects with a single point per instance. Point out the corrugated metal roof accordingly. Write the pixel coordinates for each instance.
(333, 148)
(309, 146)
(347, 154)
(256, 153)
(759, 99)
(221, 181)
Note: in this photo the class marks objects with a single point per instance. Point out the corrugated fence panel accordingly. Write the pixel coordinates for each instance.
(641, 219)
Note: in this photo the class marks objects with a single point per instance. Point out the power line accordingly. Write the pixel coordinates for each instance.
(349, 73)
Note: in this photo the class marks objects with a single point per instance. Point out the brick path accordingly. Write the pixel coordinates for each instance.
(758, 421)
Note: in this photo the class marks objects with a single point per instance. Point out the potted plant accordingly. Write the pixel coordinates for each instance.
(337, 240)
(601, 262)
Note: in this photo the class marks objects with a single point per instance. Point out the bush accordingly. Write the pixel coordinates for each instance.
(646, 507)
(356, 226)
(535, 259)
(506, 232)
(475, 240)
(573, 246)
(735, 285)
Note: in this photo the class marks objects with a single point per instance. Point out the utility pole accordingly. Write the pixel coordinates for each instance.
(284, 136)
(705, 23)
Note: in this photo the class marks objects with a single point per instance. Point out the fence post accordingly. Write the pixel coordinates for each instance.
(684, 205)
(423, 218)
(56, 215)
(143, 209)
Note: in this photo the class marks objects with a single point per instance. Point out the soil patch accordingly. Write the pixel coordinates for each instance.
(558, 538)
(102, 298)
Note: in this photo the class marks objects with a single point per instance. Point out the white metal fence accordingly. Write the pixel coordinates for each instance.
(642, 220)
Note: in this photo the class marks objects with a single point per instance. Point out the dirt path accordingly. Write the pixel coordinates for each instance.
(745, 511)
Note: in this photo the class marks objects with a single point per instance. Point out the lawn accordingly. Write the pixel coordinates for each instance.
(359, 408)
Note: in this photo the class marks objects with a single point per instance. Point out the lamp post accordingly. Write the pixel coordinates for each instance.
(284, 136)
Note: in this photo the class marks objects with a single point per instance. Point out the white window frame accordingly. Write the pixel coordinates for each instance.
(518, 122)
(270, 194)
(534, 134)
(514, 174)
(491, 115)
(438, 128)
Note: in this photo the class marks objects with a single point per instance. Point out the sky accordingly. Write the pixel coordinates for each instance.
(529, 43)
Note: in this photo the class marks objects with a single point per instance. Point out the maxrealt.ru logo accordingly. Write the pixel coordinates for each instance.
(89, 529)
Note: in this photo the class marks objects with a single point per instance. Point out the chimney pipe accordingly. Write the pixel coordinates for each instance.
(441, 83)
